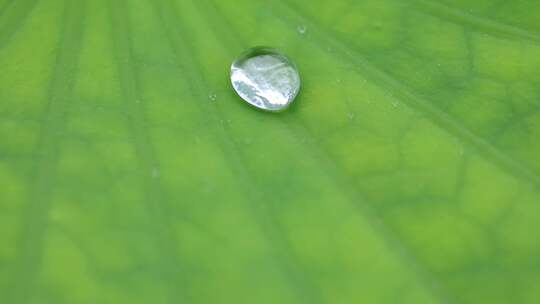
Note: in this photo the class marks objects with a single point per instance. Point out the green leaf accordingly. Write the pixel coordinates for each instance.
(407, 170)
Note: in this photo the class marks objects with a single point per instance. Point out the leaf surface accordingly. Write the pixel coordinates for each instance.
(407, 170)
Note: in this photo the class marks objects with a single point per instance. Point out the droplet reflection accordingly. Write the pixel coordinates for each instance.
(265, 78)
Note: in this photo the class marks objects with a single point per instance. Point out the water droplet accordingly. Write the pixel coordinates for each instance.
(351, 116)
(301, 29)
(265, 78)
(212, 96)
(154, 173)
(395, 104)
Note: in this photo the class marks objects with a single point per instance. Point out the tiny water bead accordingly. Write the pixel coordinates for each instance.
(265, 78)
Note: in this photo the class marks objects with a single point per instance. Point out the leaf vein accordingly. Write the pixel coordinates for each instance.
(233, 154)
(298, 131)
(435, 114)
(13, 18)
(35, 211)
(463, 18)
(153, 191)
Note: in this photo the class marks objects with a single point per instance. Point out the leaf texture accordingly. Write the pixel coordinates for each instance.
(407, 170)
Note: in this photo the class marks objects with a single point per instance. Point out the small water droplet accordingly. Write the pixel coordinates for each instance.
(154, 173)
(350, 115)
(212, 96)
(338, 80)
(395, 104)
(301, 29)
(265, 78)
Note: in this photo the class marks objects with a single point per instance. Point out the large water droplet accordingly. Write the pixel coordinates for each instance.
(265, 78)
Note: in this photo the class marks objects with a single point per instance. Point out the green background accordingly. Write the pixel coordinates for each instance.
(407, 170)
